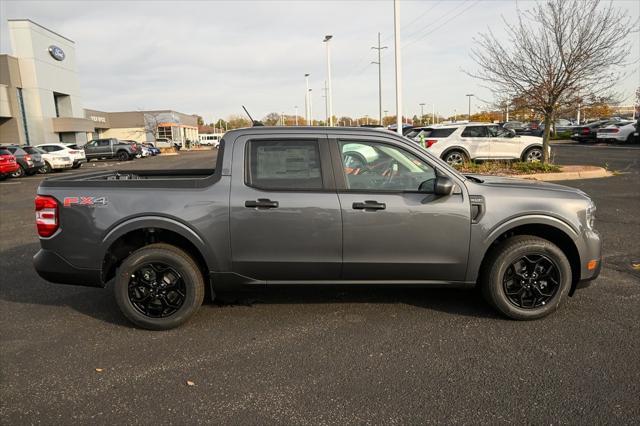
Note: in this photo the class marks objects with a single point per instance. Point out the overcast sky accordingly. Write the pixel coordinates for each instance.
(211, 57)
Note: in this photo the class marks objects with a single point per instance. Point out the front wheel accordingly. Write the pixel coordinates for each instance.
(533, 155)
(455, 158)
(526, 277)
(76, 166)
(122, 156)
(45, 169)
(159, 287)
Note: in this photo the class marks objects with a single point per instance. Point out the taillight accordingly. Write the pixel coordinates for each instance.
(586, 131)
(46, 215)
(27, 157)
(3, 158)
(430, 142)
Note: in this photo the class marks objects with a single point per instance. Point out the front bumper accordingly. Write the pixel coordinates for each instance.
(54, 268)
(591, 251)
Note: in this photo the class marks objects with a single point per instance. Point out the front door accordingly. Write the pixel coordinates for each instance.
(392, 231)
(285, 213)
(503, 143)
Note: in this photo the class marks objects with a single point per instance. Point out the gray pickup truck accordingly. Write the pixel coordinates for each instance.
(312, 206)
(110, 148)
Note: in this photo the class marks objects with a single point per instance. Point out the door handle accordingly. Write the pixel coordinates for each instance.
(369, 205)
(262, 203)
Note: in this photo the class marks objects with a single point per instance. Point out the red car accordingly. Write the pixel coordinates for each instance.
(8, 163)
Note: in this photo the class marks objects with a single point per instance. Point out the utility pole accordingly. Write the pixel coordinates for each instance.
(379, 49)
(326, 104)
(307, 103)
(296, 110)
(310, 107)
(396, 33)
(422, 113)
(469, 96)
(327, 38)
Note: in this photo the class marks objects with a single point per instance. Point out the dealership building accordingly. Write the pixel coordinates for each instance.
(41, 102)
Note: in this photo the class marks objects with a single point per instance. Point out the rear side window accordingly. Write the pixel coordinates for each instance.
(474, 132)
(441, 133)
(4, 151)
(284, 165)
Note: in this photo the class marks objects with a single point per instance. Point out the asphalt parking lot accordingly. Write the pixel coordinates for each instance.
(299, 356)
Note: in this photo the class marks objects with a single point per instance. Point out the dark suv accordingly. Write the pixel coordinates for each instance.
(29, 163)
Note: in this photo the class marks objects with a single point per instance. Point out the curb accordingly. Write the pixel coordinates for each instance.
(570, 173)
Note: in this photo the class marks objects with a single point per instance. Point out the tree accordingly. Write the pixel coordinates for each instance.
(556, 52)
(236, 122)
(271, 119)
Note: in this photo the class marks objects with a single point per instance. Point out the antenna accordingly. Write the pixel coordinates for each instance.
(253, 122)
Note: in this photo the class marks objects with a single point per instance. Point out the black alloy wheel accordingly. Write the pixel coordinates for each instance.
(157, 290)
(531, 281)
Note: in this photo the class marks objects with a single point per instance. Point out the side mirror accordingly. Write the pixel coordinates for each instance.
(443, 186)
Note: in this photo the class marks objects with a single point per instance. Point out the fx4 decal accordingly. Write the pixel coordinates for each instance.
(85, 201)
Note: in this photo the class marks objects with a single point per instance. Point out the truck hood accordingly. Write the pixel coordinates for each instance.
(515, 183)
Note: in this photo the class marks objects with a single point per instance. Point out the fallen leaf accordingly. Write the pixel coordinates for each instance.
(190, 383)
(99, 370)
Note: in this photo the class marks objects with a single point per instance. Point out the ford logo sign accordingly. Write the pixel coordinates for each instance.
(56, 53)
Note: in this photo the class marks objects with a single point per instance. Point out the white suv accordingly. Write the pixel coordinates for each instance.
(75, 153)
(459, 143)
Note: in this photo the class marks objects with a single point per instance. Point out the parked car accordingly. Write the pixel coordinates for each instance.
(54, 161)
(460, 143)
(29, 164)
(8, 163)
(588, 132)
(517, 126)
(622, 131)
(142, 150)
(167, 143)
(152, 149)
(111, 148)
(73, 151)
(292, 206)
(561, 125)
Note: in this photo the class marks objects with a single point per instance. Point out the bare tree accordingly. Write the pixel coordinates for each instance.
(557, 52)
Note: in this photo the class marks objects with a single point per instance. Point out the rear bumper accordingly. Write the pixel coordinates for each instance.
(56, 269)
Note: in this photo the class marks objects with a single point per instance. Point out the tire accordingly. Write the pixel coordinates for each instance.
(498, 277)
(533, 154)
(31, 172)
(455, 157)
(76, 166)
(123, 156)
(189, 281)
(45, 169)
(18, 173)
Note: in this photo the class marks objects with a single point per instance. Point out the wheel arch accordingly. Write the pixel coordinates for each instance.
(138, 232)
(552, 230)
(455, 148)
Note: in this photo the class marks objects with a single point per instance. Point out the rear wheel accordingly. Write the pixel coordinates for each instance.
(18, 173)
(526, 277)
(455, 157)
(45, 169)
(122, 155)
(159, 287)
(533, 154)
(76, 166)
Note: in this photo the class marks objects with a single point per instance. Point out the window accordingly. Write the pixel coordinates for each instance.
(498, 132)
(165, 132)
(376, 166)
(284, 165)
(104, 142)
(474, 132)
(442, 133)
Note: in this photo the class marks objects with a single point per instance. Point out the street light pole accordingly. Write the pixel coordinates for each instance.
(307, 108)
(433, 112)
(326, 104)
(379, 49)
(327, 38)
(396, 33)
(422, 114)
(469, 96)
(296, 110)
(310, 107)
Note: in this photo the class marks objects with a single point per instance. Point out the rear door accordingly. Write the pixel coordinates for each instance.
(391, 231)
(475, 140)
(285, 214)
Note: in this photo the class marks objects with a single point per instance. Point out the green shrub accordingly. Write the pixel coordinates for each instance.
(507, 167)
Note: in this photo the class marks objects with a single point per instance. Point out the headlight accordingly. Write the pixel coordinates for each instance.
(591, 216)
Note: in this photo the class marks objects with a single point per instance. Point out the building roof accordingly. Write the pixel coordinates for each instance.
(41, 26)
